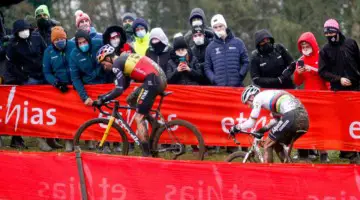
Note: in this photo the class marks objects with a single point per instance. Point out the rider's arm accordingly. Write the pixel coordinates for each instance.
(268, 126)
(253, 117)
(118, 90)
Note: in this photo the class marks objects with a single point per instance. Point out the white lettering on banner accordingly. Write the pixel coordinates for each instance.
(36, 114)
(228, 122)
(354, 127)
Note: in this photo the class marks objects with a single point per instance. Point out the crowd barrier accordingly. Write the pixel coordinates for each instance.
(35, 176)
(43, 111)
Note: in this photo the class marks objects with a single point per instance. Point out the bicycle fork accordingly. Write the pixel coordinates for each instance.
(107, 130)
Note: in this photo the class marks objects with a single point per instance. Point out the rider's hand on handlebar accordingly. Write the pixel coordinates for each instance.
(233, 130)
(97, 103)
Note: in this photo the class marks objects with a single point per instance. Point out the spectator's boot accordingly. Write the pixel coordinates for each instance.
(43, 145)
(53, 143)
(69, 147)
(145, 149)
(355, 158)
(90, 144)
(17, 142)
(324, 158)
(1, 142)
(117, 147)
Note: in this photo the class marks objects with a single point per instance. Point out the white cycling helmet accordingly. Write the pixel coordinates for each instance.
(248, 91)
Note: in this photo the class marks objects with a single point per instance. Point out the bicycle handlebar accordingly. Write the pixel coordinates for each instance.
(106, 104)
(256, 135)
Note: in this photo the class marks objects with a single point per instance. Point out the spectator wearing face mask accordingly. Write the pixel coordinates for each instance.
(44, 23)
(226, 59)
(83, 21)
(142, 36)
(270, 63)
(199, 49)
(197, 18)
(127, 22)
(159, 48)
(84, 68)
(116, 37)
(183, 67)
(306, 74)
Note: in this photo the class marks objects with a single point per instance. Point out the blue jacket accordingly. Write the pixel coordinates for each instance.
(56, 64)
(84, 68)
(226, 62)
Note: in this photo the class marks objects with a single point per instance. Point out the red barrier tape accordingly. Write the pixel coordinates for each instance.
(54, 176)
(44, 111)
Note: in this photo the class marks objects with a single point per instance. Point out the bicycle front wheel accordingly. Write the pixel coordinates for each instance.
(170, 142)
(239, 156)
(93, 131)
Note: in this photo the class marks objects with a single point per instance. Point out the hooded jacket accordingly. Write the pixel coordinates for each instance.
(129, 33)
(123, 46)
(199, 52)
(141, 44)
(226, 62)
(56, 64)
(310, 78)
(84, 68)
(209, 34)
(194, 77)
(267, 69)
(163, 57)
(45, 33)
(341, 60)
(24, 56)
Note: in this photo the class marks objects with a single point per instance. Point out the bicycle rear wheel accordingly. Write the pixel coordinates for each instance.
(170, 143)
(94, 130)
(239, 157)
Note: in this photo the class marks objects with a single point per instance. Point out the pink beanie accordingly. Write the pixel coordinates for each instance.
(332, 23)
(79, 16)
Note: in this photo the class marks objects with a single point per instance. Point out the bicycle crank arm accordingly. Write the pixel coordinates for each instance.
(111, 121)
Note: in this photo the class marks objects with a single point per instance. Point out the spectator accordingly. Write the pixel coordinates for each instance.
(197, 18)
(269, 63)
(307, 73)
(159, 48)
(5, 36)
(199, 49)
(127, 22)
(226, 59)
(183, 67)
(116, 37)
(83, 22)
(142, 36)
(339, 64)
(44, 23)
(56, 65)
(84, 68)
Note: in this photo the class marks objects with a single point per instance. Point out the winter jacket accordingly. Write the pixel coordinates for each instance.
(161, 59)
(84, 68)
(46, 33)
(56, 64)
(193, 77)
(24, 56)
(123, 46)
(267, 68)
(142, 44)
(209, 34)
(226, 62)
(310, 78)
(341, 60)
(93, 34)
(199, 53)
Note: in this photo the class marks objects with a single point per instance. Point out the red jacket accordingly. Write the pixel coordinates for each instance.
(310, 78)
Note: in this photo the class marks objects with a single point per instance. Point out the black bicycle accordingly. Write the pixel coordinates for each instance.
(168, 139)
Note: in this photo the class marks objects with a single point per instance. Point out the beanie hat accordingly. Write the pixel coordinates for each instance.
(79, 16)
(57, 33)
(198, 29)
(140, 22)
(218, 19)
(42, 9)
(179, 43)
(331, 26)
(130, 16)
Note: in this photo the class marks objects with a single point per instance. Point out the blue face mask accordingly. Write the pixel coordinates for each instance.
(141, 33)
(84, 48)
(61, 44)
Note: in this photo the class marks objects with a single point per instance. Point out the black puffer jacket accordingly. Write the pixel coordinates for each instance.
(24, 56)
(267, 69)
(161, 59)
(194, 77)
(199, 53)
(341, 60)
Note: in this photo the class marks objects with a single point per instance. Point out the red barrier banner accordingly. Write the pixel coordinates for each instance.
(44, 111)
(53, 176)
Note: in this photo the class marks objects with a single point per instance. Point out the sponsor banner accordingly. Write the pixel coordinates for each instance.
(43, 111)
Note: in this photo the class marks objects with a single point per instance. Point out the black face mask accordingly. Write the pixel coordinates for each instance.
(158, 47)
(43, 23)
(332, 39)
(266, 48)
